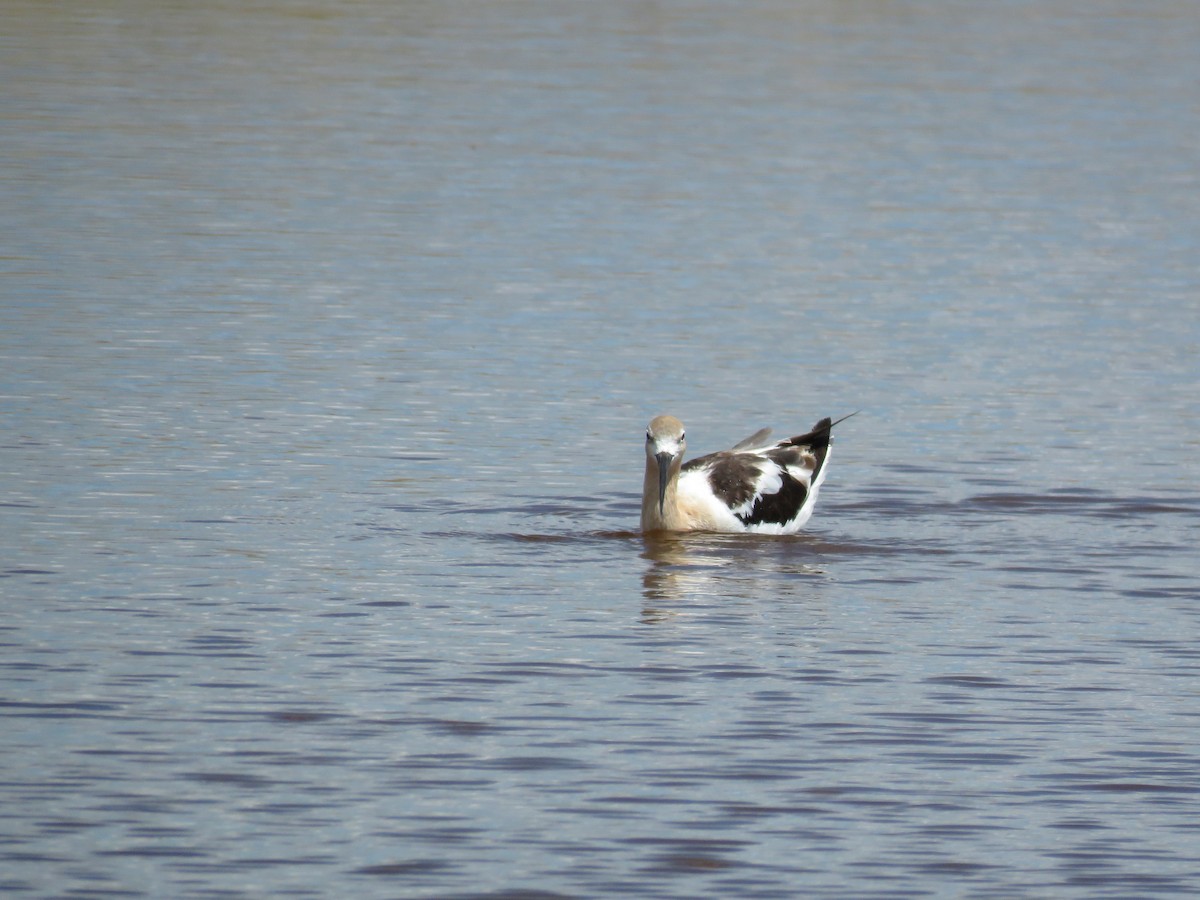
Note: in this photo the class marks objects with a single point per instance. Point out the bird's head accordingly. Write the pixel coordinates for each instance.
(664, 448)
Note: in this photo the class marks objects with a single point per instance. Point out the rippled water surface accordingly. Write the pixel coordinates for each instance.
(329, 334)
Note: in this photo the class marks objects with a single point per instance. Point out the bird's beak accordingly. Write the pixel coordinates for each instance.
(664, 467)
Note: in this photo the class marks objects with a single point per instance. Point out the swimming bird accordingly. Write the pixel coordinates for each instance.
(757, 486)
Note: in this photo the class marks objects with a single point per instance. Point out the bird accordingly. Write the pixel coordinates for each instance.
(757, 486)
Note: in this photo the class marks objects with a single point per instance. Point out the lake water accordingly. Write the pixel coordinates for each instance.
(329, 336)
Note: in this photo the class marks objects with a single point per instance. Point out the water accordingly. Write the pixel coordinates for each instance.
(330, 332)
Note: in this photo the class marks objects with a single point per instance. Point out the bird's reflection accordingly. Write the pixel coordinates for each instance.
(685, 567)
(680, 567)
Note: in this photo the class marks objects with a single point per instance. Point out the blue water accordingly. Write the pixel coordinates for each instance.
(329, 334)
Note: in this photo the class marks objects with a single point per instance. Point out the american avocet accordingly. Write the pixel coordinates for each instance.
(758, 486)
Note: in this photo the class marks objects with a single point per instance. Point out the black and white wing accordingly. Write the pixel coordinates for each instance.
(769, 489)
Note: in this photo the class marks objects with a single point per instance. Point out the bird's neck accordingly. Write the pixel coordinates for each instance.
(669, 518)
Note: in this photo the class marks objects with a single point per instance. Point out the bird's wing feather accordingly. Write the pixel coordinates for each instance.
(756, 441)
(753, 485)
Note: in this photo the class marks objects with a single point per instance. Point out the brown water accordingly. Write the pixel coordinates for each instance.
(329, 335)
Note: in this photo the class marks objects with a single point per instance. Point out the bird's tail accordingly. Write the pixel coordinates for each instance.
(820, 434)
(817, 443)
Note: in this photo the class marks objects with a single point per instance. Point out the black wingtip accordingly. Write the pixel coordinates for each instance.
(821, 431)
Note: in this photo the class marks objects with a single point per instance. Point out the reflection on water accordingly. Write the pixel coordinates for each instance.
(329, 334)
(687, 568)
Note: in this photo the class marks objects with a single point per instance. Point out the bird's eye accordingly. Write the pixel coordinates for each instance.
(682, 435)
(648, 436)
